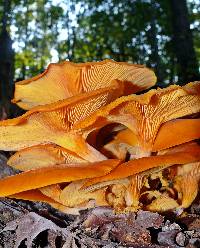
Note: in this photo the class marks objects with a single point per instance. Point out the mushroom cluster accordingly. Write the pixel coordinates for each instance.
(88, 140)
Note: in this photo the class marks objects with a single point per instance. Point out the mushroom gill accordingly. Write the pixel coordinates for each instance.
(67, 79)
(144, 114)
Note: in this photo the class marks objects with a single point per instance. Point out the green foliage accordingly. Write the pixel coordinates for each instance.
(138, 31)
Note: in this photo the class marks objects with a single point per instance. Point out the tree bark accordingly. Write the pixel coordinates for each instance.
(6, 63)
(154, 58)
(183, 42)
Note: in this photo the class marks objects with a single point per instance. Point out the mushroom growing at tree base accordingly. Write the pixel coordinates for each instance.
(87, 139)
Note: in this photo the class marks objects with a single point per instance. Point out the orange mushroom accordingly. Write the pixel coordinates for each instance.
(36, 195)
(61, 81)
(37, 178)
(188, 155)
(65, 141)
(144, 114)
(177, 132)
(53, 123)
(186, 183)
(43, 156)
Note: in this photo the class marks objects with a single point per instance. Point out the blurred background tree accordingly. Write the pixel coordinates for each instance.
(162, 34)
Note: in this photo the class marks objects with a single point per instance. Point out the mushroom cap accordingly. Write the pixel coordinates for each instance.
(176, 132)
(53, 122)
(36, 195)
(190, 154)
(43, 156)
(42, 177)
(144, 114)
(63, 80)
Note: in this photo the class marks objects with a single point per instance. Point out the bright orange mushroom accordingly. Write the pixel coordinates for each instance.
(187, 183)
(61, 81)
(132, 167)
(86, 117)
(52, 124)
(42, 177)
(177, 132)
(36, 195)
(43, 156)
(144, 114)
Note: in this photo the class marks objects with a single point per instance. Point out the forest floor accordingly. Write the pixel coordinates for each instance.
(37, 225)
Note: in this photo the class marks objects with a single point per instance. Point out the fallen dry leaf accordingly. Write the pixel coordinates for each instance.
(29, 226)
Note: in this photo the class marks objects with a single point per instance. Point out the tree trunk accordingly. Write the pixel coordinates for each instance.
(183, 42)
(155, 61)
(6, 63)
